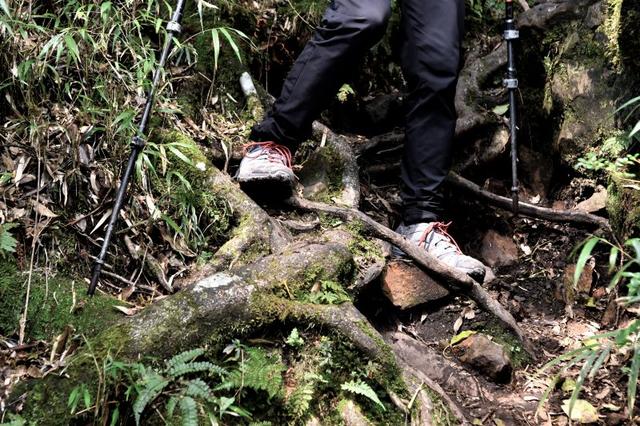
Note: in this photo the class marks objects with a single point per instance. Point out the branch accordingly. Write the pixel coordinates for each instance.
(452, 278)
(571, 216)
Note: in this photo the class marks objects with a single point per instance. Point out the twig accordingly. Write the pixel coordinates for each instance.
(452, 278)
(572, 216)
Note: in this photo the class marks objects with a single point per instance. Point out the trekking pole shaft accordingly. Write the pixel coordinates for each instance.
(511, 82)
(137, 145)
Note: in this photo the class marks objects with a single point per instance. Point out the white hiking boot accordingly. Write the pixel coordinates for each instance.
(266, 162)
(433, 237)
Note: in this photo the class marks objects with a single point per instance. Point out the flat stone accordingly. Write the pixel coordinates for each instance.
(596, 202)
(498, 250)
(485, 356)
(406, 285)
(352, 415)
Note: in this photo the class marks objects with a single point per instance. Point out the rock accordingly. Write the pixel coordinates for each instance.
(352, 415)
(406, 286)
(594, 203)
(595, 15)
(498, 250)
(488, 357)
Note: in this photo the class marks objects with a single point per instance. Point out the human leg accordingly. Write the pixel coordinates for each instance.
(347, 30)
(431, 59)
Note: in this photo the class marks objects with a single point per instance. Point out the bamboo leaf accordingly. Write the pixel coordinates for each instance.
(215, 37)
(633, 379)
(232, 43)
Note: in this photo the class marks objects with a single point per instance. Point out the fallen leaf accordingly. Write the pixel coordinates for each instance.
(457, 324)
(43, 210)
(461, 336)
(128, 311)
(582, 412)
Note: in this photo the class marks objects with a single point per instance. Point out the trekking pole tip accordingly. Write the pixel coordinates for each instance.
(95, 276)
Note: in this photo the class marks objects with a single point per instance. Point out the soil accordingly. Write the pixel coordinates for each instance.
(532, 289)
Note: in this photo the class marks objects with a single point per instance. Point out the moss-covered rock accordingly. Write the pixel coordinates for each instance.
(54, 302)
(623, 206)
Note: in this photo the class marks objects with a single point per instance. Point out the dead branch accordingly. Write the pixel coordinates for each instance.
(555, 215)
(450, 277)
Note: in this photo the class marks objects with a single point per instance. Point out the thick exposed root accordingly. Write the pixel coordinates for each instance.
(449, 277)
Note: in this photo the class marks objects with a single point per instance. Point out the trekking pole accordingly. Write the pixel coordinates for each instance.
(511, 83)
(137, 144)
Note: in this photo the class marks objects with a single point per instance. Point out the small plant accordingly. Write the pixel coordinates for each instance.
(596, 350)
(7, 242)
(329, 293)
(361, 388)
(187, 387)
(294, 340)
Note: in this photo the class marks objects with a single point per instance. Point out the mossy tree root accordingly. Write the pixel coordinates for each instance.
(449, 277)
(215, 309)
(255, 233)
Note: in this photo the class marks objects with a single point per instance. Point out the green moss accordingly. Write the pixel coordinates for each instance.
(362, 246)
(623, 206)
(515, 351)
(54, 303)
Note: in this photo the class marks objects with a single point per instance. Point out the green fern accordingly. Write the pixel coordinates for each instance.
(300, 400)
(189, 411)
(197, 388)
(184, 357)
(330, 293)
(260, 371)
(7, 242)
(361, 388)
(153, 386)
(192, 367)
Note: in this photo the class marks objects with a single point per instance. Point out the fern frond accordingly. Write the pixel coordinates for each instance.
(192, 367)
(153, 386)
(260, 371)
(197, 388)
(361, 388)
(189, 411)
(300, 401)
(171, 406)
(184, 357)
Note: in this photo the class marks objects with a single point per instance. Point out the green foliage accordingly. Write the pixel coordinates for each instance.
(14, 419)
(616, 155)
(294, 340)
(362, 388)
(258, 370)
(345, 93)
(7, 241)
(596, 350)
(188, 387)
(329, 293)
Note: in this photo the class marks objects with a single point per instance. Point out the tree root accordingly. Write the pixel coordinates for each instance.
(255, 232)
(450, 277)
(350, 194)
(555, 215)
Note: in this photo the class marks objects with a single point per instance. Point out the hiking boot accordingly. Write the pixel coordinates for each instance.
(433, 237)
(266, 162)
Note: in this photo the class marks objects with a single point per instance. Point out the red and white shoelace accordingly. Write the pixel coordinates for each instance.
(440, 228)
(275, 153)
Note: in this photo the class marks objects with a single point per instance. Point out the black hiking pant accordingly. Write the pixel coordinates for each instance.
(431, 59)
